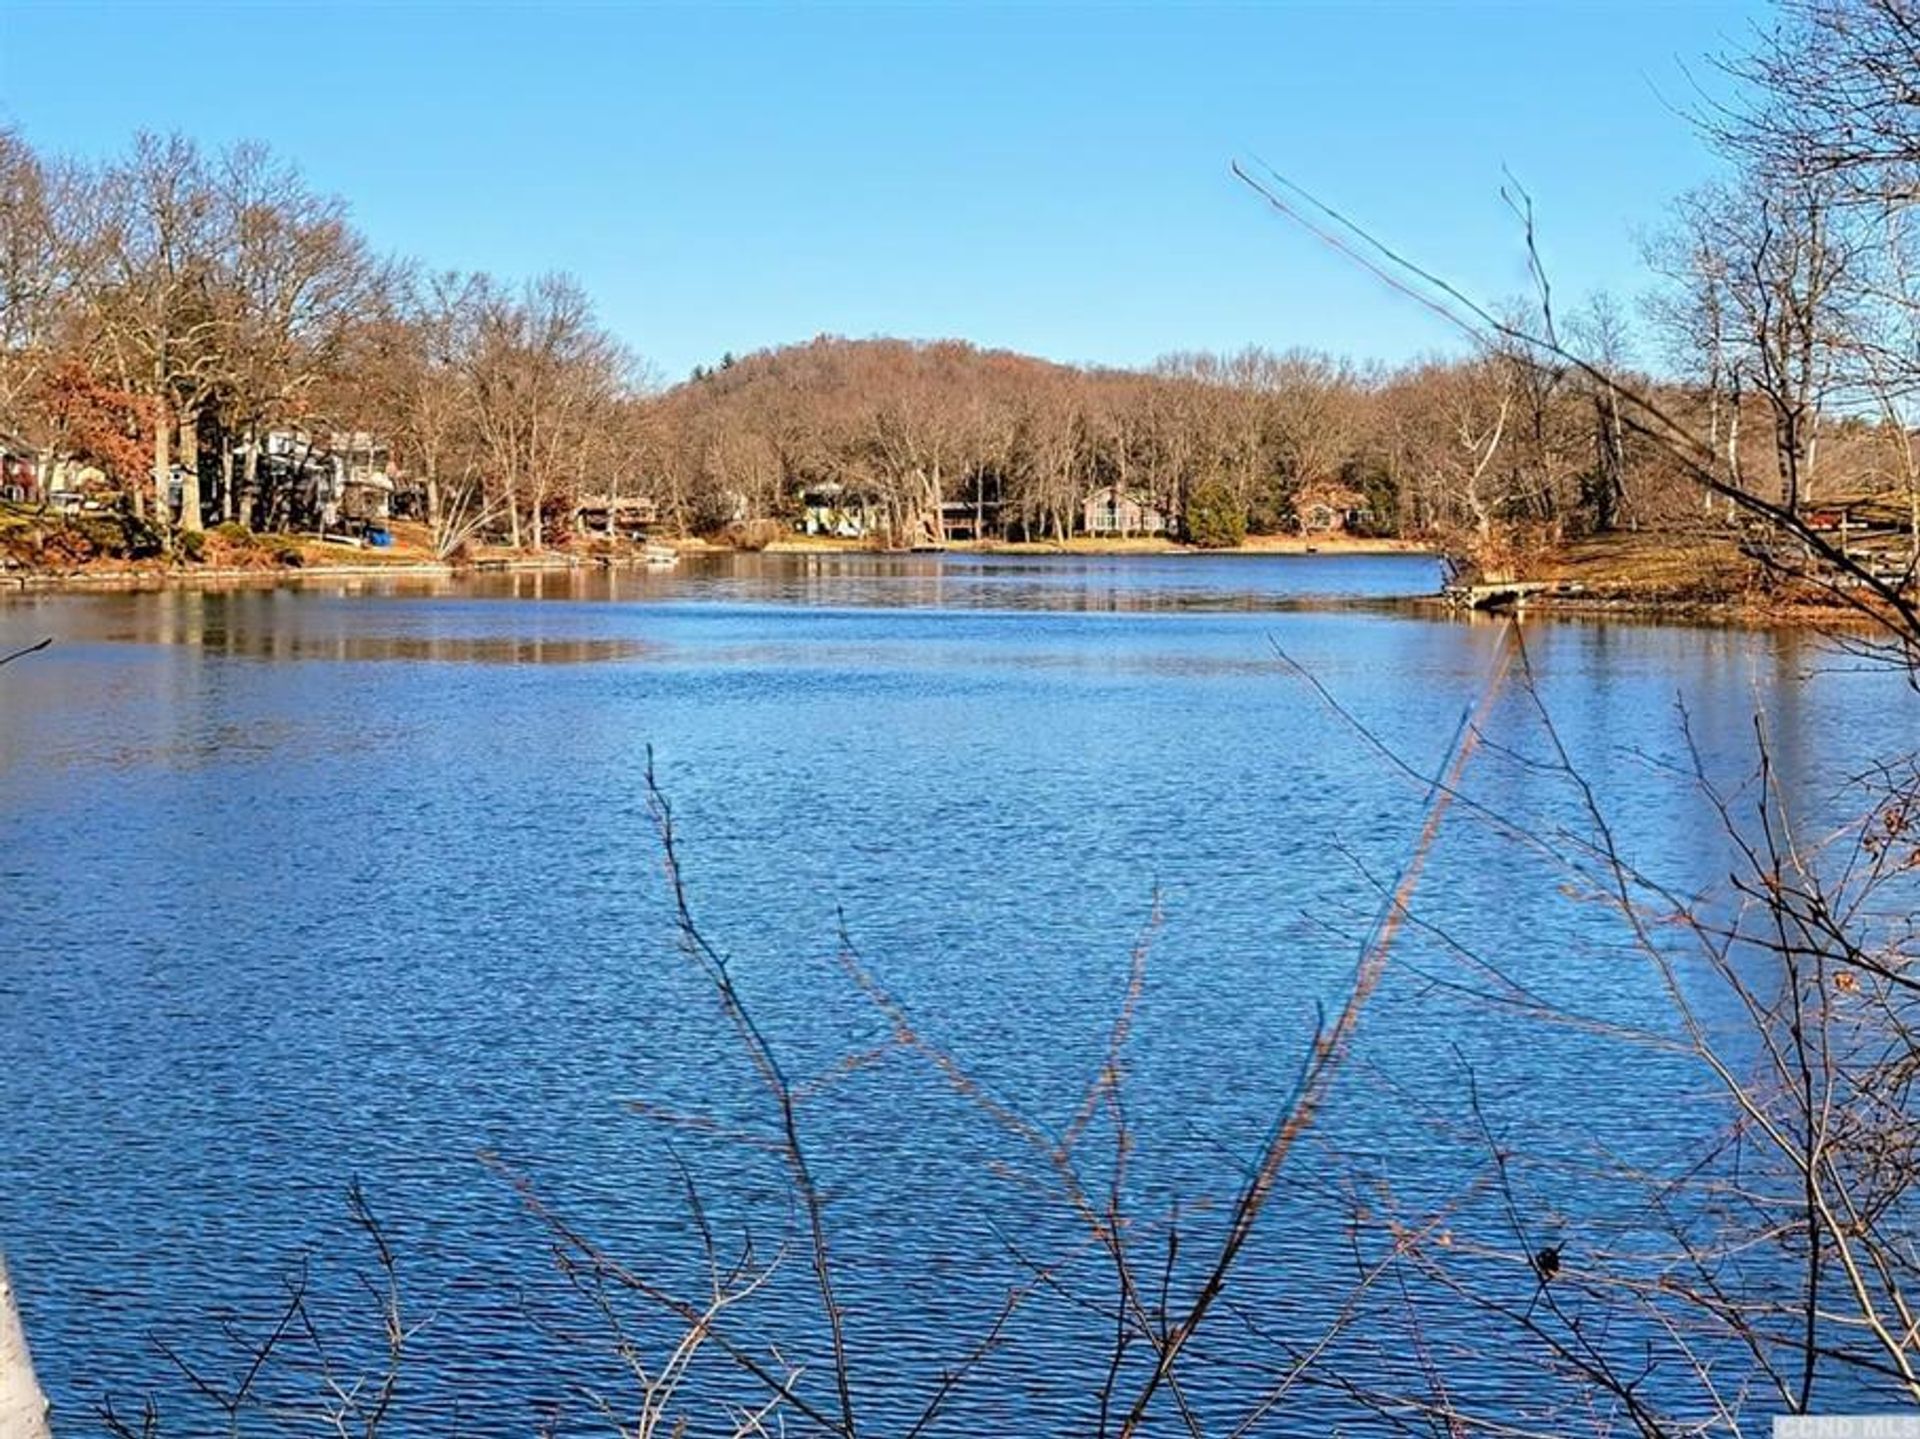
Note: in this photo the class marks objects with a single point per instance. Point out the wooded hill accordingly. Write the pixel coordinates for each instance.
(1447, 448)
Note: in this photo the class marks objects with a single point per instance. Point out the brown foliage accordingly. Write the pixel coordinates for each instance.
(97, 422)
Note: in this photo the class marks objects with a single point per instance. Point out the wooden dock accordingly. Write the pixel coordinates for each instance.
(1498, 594)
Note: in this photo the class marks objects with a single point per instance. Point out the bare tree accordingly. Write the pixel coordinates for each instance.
(36, 271)
(1781, 259)
(295, 279)
(542, 376)
(1601, 331)
(154, 274)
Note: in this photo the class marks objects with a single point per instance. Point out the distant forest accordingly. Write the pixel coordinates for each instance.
(172, 321)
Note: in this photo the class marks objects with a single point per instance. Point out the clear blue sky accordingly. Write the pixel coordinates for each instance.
(1047, 179)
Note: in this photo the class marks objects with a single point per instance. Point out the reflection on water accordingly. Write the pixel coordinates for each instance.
(276, 917)
(1090, 583)
(374, 618)
(496, 650)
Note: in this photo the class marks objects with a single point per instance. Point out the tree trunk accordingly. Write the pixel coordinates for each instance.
(226, 476)
(1733, 448)
(1786, 445)
(190, 518)
(162, 463)
(249, 472)
(1608, 463)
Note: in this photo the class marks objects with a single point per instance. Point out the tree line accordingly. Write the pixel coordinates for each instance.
(164, 313)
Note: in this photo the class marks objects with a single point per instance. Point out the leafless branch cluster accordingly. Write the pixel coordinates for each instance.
(292, 1375)
(1150, 1289)
(1775, 1268)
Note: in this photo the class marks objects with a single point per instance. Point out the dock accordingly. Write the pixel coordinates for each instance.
(1498, 594)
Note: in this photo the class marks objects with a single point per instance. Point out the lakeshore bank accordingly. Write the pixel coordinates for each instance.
(1083, 545)
(319, 560)
(1694, 579)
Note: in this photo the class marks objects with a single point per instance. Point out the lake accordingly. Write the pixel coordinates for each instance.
(354, 880)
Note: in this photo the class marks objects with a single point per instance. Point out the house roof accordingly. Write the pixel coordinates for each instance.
(1339, 497)
(1138, 497)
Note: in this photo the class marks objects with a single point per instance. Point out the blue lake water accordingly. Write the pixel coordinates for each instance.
(355, 880)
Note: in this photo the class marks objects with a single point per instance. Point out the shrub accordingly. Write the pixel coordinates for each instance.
(96, 535)
(292, 556)
(1383, 505)
(64, 544)
(234, 533)
(752, 534)
(1215, 519)
(192, 545)
(140, 538)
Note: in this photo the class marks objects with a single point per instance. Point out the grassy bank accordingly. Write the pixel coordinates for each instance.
(1679, 576)
(1701, 574)
(41, 552)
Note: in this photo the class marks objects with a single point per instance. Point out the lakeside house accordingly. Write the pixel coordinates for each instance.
(1328, 509)
(332, 481)
(32, 474)
(1113, 511)
(977, 517)
(835, 509)
(20, 465)
(623, 516)
(354, 490)
(1874, 528)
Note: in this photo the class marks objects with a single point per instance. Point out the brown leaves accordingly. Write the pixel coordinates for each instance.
(99, 423)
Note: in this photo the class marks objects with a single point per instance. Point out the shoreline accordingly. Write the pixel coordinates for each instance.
(157, 577)
(321, 564)
(1727, 612)
(1255, 545)
(1549, 598)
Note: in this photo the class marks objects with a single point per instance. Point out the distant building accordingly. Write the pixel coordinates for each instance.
(30, 474)
(1328, 509)
(628, 516)
(834, 509)
(976, 517)
(332, 481)
(1111, 510)
(19, 469)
